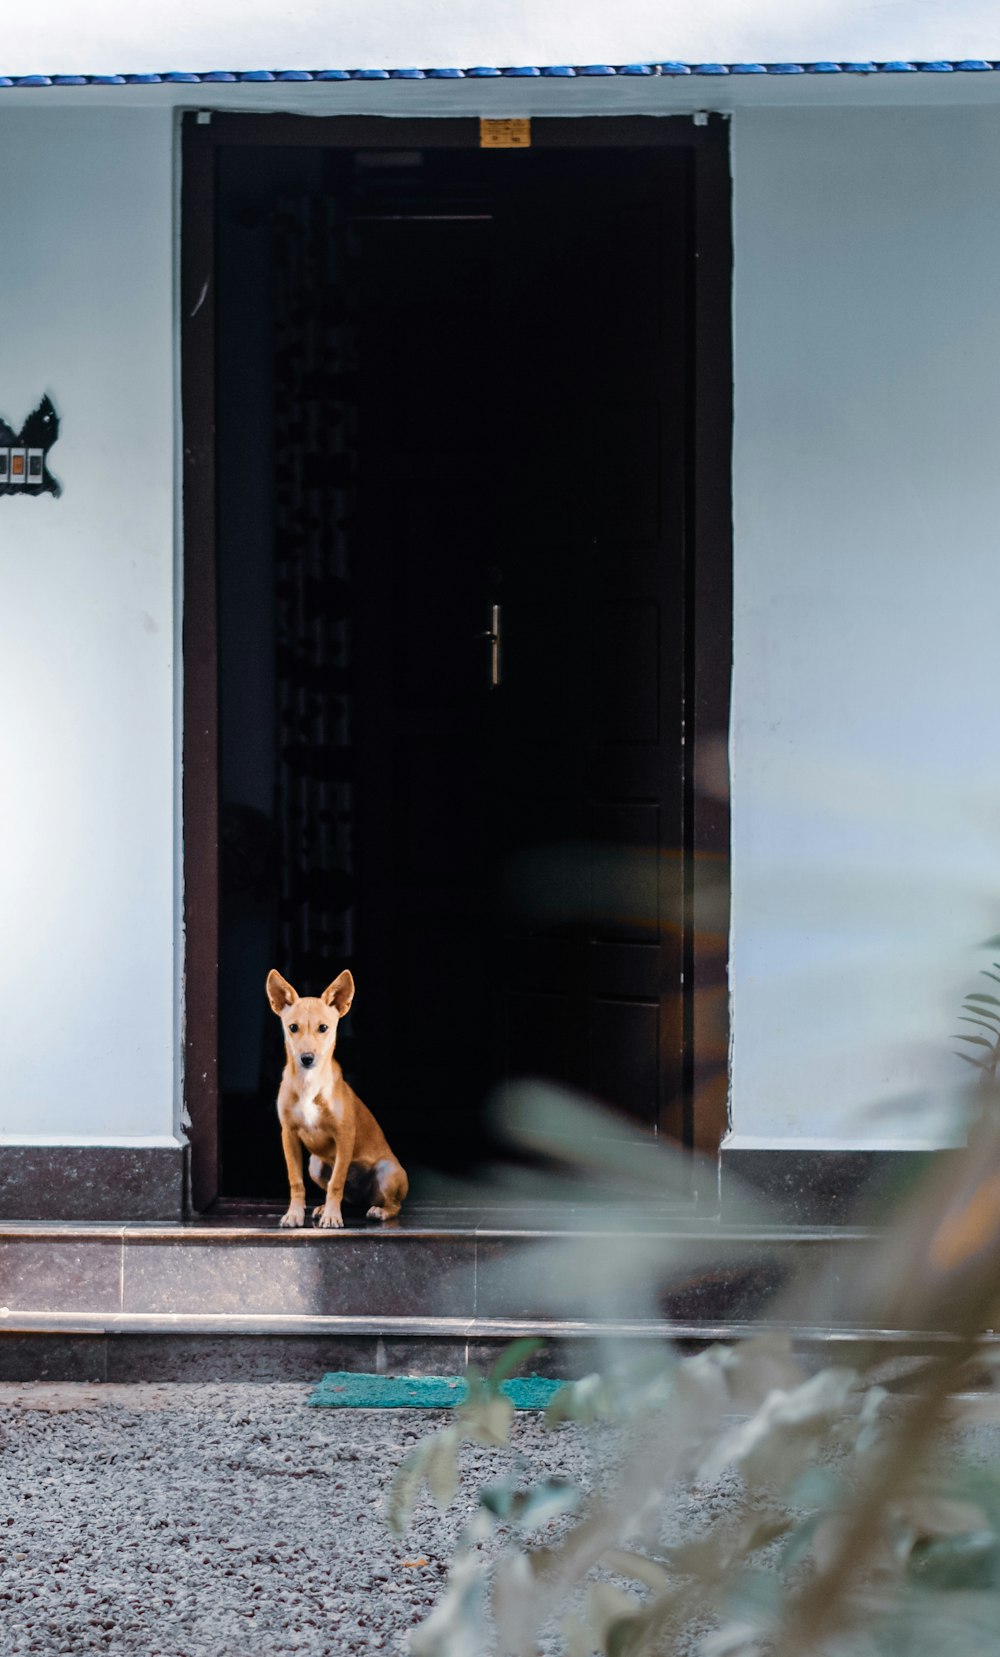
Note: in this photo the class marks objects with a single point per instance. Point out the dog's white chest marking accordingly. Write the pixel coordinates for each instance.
(309, 1109)
(310, 1113)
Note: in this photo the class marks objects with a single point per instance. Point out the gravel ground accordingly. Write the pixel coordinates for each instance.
(201, 1520)
(208, 1520)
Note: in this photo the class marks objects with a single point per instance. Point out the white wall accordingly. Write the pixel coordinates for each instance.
(866, 727)
(866, 817)
(86, 629)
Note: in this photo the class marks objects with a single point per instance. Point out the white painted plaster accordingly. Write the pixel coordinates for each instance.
(87, 1040)
(866, 737)
(866, 818)
(117, 36)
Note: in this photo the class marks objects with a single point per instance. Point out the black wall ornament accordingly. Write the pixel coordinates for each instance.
(24, 454)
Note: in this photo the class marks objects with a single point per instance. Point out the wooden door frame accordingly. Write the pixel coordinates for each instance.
(708, 575)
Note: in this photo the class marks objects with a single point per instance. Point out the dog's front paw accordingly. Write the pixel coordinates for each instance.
(295, 1216)
(330, 1217)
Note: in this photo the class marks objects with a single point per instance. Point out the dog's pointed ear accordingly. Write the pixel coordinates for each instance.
(340, 993)
(279, 992)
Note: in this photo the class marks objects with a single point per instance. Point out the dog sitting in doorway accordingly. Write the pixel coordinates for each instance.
(317, 1109)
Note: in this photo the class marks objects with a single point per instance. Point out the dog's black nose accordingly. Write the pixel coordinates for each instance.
(308, 1060)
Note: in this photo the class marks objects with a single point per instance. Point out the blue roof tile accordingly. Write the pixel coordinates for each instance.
(667, 66)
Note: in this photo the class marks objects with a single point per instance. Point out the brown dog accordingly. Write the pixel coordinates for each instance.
(316, 1108)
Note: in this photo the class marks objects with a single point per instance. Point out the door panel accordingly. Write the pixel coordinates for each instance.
(522, 443)
(589, 716)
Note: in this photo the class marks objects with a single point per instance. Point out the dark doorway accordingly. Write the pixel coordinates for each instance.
(456, 398)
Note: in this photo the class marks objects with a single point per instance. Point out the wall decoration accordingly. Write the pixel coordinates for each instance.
(24, 454)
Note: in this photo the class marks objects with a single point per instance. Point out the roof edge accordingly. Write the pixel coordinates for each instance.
(664, 67)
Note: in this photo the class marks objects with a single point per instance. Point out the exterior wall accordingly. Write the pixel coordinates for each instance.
(87, 657)
(864, 749)
(866, 835)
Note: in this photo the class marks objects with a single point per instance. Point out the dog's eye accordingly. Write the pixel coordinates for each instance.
(323, 1029)
(293, 1029)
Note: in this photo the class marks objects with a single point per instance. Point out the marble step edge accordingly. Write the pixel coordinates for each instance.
(150, 1231)
(15, 1322)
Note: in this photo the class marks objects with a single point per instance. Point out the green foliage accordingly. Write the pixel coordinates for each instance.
(843, 1532)
(983, 1012)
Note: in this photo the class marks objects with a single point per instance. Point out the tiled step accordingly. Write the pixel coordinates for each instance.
(234, 1296)
(444, 1270)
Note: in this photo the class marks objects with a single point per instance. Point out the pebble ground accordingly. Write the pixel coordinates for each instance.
(202, 1520)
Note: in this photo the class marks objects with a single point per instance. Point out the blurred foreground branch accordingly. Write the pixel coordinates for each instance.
(856, 1527)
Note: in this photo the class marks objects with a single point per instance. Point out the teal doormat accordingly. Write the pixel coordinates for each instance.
(342, 1390)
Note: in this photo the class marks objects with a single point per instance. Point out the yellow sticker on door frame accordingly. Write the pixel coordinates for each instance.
(510, 133)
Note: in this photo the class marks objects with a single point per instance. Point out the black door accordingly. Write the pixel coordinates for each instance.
(523, 325)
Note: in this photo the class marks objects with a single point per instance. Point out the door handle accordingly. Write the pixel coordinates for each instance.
(492, 633)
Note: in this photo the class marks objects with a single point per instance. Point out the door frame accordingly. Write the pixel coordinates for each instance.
(708, 576)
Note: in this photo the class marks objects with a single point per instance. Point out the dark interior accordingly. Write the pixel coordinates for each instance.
(452, 385)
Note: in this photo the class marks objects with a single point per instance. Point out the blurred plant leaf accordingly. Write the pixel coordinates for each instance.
(638, 1567)
(486, 1419)
(441, 1467)
(801, 1540)
(512, 1358)
(577, 1637)
(513, 1601)
(891, 1543)
(970, 1560)
(455, 1626)
(777, 1443)
(734, 1639)
(608, 1606)
(585, 1400)
(936, 1515)
(817, 1487)
(531, 1508)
